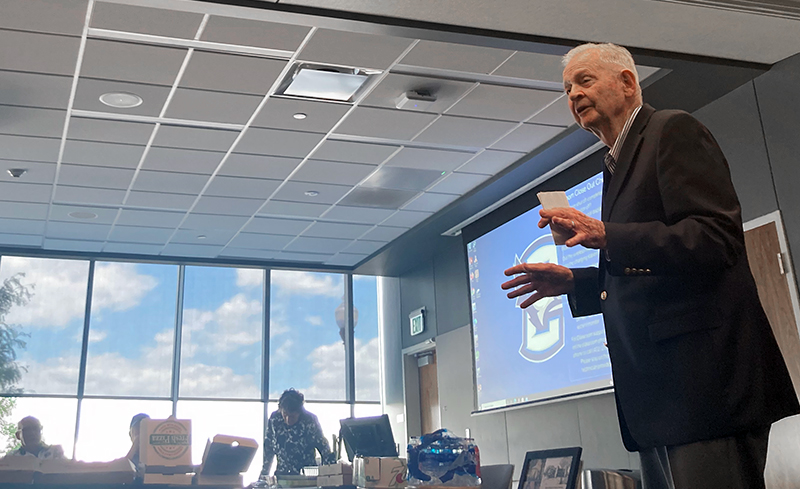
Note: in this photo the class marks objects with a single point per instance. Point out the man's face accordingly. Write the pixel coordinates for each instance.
(290, 418)
(596, 92)
(29, 433)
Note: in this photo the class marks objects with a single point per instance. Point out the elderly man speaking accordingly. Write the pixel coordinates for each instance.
(697, 372)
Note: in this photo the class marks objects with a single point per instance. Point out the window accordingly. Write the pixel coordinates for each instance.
(367, 342)
(306, 334)
(44, 330)
(223, 313)
(56, 415)
(132, 330)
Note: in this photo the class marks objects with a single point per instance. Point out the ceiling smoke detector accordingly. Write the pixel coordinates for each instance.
(121, 100)
(307, 80)
(312, 193)
(416, 100)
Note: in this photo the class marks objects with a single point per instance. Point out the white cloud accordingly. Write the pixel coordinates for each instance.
(314, 320)
(249, 277)
(282, 353)
(59, 289)
(307, 283)
(328, 363)
(96, 336)
(235, 323)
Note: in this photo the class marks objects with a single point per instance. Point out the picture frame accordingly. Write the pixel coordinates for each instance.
(557, 468)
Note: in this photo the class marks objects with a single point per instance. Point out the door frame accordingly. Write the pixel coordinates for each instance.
(411, 385)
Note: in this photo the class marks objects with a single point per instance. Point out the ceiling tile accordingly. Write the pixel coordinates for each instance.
(382, 198)
(459, 183)
(384, 233)
(261, 241)
(303, 257)
(77, 230)
(26, 121)
(104, 215)
(87, 97)
(136, 234)
(228, 206)
(95, 176)
(36, 172)
(29, 148)
(364, 215)
(203, 105)
(109, 131)
(35, 90)
(503, 103)
(161, 200)
(332, 172)
(208, 221)
(527, 137)
(259, 166)
(22, 226)
(156, 219)
(25, 192)
(266, 225)
(245, 32)
(161, 181)
(532, 66)
(102, 154)
(298, 209)
(363, 246)
(88, 196)
(278, 143)
(387, 92)
(345, 259)
(112, 60)
(430, 202)
(429, 159)
(556, 114)
(459, 57)
(200, 251)
(182, 160)
(212, 237)
(38, 53)
(465, 131)
(385, 123)
(320, 116)
(491, 162)
(353, 49)
(194, 138)
(53, 16)
(231, 73)
(327, 194)
(396, 177)
(317, 245)
(145, 20)
(20, 240)
(248, 253)
(250, 188)
(23, 210)
(404, 218)
(73, 245)
(132, 248)
(337, 230)
(373, 154)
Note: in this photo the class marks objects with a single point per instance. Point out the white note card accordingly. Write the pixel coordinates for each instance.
(554, 200)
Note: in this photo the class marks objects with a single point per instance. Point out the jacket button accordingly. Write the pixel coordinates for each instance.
(603, 295)
(648, 271)
(627, 271)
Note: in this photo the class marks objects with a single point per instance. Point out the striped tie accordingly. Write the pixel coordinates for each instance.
(610, 163)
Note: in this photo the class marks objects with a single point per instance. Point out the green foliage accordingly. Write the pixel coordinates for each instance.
(12, 293)
(8, 428)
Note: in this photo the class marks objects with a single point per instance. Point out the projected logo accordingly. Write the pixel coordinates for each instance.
(543, 322)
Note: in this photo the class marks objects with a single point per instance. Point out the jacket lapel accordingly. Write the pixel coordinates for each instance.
(626, 155)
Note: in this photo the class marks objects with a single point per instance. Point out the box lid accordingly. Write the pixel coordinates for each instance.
(226, 455)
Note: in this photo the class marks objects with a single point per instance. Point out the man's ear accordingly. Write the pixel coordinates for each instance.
(18, 435)
(629, 82)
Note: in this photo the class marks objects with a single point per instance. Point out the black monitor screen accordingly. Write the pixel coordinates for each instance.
(368, 437)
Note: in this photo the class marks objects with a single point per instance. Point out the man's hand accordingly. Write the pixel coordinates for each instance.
(543, 279)
(585, 231)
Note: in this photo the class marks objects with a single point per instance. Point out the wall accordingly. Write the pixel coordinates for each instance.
(756, 126)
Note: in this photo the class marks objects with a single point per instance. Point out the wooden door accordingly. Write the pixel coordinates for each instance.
(767, 265)
(429, 394)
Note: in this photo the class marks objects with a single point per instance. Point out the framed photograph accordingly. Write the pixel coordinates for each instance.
(551, 469)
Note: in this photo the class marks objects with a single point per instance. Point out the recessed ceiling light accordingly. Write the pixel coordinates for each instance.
(121, 100)
(299, 116)
(17, 172)
(312, 193)
(83, 215)
(202, 236)
(325, 82)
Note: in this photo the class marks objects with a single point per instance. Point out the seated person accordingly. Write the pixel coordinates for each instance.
(29, 432)
(292, 435)
(133, 432)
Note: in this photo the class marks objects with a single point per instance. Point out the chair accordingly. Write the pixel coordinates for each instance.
(496, 476)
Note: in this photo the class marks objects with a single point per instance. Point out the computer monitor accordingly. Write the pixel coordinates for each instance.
(368, 437)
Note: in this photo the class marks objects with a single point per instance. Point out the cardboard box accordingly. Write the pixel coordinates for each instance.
(228, 455)
(56, 471)
(166, 446)
(218, 480)
(380, 472)
(335, 480)
(171, 479)
(18, 470)
(336, 469)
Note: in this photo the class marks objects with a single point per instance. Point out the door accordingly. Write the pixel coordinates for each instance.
(428, 393)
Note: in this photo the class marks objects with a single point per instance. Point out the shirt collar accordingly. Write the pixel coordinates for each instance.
(617, 148)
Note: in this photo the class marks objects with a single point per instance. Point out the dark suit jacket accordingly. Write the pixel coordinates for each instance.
(693, 355)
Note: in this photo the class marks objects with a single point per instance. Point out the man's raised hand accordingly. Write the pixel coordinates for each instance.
(542, 279)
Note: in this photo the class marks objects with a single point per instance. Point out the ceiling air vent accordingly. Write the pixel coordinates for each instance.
(325, 82)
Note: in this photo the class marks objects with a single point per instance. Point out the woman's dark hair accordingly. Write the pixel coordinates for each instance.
(138, 419)
(291, 401)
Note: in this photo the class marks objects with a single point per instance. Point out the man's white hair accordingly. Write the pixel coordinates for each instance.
(607, 53)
